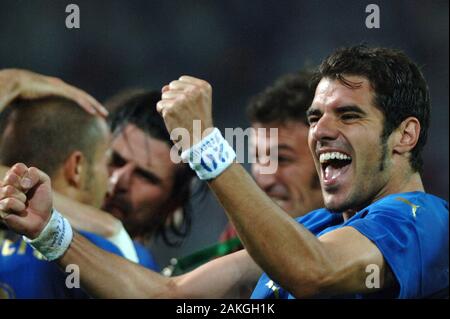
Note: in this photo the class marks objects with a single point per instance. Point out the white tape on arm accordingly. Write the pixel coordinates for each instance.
(54, 240)
(211, 156)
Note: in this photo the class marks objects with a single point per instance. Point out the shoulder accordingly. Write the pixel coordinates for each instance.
(410, 206)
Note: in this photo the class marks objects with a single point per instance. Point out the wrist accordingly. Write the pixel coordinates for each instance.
(210, 156)
(54, 239)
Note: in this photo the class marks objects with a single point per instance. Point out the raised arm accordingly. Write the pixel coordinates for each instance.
(109, 276)
(334, 264)
(26, 207)
(80, 216)
(291, 255)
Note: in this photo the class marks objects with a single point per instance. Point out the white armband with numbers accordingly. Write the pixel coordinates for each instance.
(211, 156)
(54, 239)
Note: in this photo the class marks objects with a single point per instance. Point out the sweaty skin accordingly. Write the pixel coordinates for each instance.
(17, 83)
(304, 265)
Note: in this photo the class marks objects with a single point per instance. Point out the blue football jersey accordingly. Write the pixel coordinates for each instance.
(145, 257)
(410, 230)
(25, 274)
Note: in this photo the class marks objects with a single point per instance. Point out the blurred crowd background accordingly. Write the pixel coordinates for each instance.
(240, 47)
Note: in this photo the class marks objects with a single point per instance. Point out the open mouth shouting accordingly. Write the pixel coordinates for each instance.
(335, 166)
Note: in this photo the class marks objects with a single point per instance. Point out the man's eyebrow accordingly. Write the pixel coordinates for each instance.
(341, 109)
(141, 171)
(149, 175)
(350, 108)
(313, 111)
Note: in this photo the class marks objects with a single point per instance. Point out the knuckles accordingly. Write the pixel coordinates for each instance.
(7, 203)
(18, 167)
(7, 190)
(184, 94)
(206, 86)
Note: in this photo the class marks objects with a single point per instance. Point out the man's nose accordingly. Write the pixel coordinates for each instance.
(325, 129)
(120, 179)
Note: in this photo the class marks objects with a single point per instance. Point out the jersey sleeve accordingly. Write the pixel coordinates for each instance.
(395, 234)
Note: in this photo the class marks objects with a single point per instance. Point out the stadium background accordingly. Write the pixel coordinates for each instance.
(238, 46)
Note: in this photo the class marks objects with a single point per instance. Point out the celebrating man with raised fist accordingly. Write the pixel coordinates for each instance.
(368, 125)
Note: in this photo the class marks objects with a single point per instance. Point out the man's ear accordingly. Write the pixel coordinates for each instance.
(73, 169)
(406, 135)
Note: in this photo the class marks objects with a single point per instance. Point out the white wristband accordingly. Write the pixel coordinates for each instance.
(210, 157)
(54, 240)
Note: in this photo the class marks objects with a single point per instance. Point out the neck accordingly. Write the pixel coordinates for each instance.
(411, 183)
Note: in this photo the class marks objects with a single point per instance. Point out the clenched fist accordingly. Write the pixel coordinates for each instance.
(182, 102)
(25, 200)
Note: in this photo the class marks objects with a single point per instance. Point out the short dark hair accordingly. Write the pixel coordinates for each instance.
(44, 132)
(138, 107)
(286, 100)
(400, 87)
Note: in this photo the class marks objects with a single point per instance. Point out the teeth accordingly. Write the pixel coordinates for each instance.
(325, 157)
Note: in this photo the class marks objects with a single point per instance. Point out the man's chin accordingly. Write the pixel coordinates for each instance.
(334, 203)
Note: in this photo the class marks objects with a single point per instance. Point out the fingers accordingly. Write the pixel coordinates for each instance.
(172, 94)
(185, 91)
(186, 83)
(181, 85)
(19, 169)
(23, 178)
(194, 81)
(24, 211)
(163, 105)
(185, 103)
(17, 223)
(17, 177)
(9, 191)
(86, 101)
(18, 180)
(90, 104)
(12, 200)
(34, 85)
(37, 176)
(12, 179)
(11, 204)
(184, 86)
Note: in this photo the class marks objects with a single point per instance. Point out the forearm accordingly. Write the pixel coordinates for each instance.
(289, 253)
(224, 277)
(105, 275)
